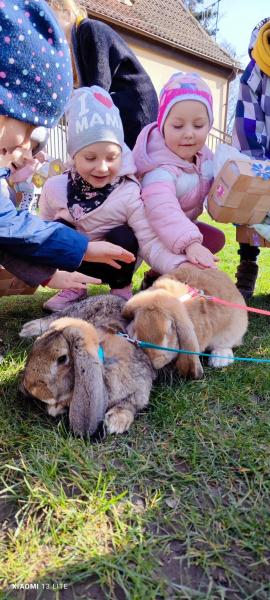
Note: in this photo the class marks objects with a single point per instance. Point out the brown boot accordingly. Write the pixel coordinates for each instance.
(246, 276)
(12, 286)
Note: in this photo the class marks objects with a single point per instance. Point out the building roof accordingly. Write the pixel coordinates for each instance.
(167, 21)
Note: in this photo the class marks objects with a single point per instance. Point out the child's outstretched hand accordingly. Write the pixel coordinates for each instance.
(201, 256)
(65, 280)
(105, 252)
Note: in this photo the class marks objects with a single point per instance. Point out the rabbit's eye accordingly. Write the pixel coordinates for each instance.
(62, 359)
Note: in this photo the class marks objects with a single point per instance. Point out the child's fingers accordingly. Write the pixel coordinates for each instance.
(88, 279)
(113, 263)
(80, 281)
(119, 253)
(207, 264)
(126, 256)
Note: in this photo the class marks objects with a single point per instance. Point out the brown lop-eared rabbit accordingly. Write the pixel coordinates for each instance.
(164, 316)
(66, 370)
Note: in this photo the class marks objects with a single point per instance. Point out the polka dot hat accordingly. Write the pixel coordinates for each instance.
(35, 68)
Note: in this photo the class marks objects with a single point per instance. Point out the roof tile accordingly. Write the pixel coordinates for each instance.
(167, 20)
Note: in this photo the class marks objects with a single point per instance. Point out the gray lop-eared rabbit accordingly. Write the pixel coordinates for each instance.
(80, 364)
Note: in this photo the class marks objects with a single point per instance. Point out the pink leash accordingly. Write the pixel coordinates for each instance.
(260, 311)
(193, 292)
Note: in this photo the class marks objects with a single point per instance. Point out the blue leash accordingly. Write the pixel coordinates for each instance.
(149, 345)
(101, 354)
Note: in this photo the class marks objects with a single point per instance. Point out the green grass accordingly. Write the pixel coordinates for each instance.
(177, 508)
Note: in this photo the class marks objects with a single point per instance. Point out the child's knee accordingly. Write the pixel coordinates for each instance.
(220, 240)
(124, 236)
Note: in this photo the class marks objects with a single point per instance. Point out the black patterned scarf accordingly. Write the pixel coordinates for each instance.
(82, 197)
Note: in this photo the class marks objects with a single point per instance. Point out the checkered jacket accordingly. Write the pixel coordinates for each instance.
(251, 131)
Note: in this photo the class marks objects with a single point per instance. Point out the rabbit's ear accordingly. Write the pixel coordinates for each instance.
(89, 399)
(129, 309)
(189, 365)
(36, 327)
(140, 300)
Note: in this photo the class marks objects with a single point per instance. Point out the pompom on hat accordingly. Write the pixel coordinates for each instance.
(259, 46)
(255, 33)
(35, 70)
(92, 117)
(184, 86)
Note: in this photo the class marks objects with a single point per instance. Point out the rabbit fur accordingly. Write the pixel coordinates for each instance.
(64, 371)
(102, 310)
(157, 315)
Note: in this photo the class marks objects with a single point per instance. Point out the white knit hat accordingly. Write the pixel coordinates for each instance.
(92, 117)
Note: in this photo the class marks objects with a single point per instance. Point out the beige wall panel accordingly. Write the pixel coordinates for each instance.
(160, 63)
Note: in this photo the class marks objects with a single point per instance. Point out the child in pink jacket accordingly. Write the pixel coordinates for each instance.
(100, 195)
(176, 171)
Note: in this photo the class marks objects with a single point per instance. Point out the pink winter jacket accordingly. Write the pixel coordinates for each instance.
(173, 190)
(123, 205)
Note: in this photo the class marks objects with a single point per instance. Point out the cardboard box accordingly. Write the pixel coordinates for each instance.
(248, 235)
(241, 192)
(12, 286)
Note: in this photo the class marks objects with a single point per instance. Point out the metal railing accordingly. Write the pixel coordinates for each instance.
(57, 144)
(216, 136)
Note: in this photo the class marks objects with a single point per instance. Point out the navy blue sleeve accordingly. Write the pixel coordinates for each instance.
(104, 58)
(42, 242)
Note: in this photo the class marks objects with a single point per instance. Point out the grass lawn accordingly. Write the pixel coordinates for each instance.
(177, 508)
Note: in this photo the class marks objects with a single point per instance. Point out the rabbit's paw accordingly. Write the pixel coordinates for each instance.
(32, 328)
(118, 420)
(225, 357)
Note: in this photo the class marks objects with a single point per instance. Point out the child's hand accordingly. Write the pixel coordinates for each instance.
(64, 280)
(105, 252)
(201, 256)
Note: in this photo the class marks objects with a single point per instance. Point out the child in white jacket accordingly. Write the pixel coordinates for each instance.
(100, 195)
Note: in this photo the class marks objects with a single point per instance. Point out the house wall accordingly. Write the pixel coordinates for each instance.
(161, 62)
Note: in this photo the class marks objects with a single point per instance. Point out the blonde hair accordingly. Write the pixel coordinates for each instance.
(75, 12)
(72, 7)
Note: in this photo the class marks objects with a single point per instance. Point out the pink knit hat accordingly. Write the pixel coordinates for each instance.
(184, 86)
